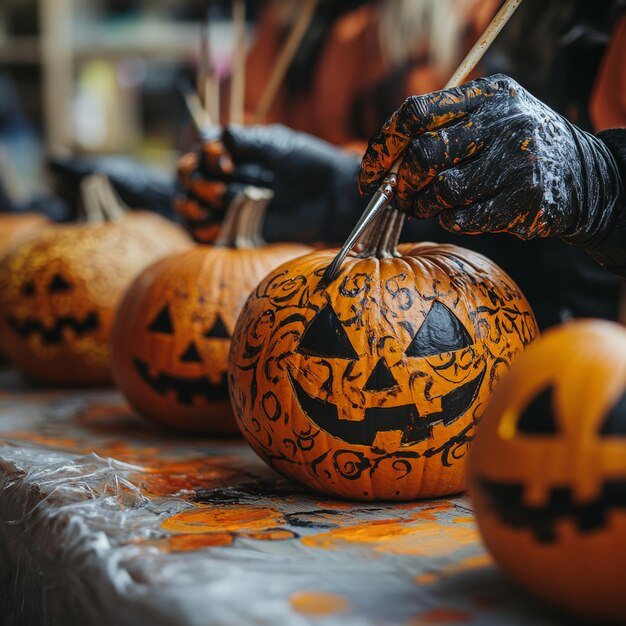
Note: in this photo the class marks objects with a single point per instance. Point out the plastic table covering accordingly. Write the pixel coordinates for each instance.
(107, 520)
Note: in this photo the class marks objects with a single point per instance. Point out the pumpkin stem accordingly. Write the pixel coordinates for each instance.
(380, 238)
(100, 201)
(243, 223)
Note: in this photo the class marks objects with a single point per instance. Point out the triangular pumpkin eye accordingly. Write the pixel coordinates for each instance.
(325, 337)
(218, 330)
(538, 417)
(615, 422)
(58, 283)
(162, 323)
(441, 332)
(381, 378)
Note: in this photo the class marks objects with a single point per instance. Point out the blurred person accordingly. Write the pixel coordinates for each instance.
(358, 59)
(534, 174)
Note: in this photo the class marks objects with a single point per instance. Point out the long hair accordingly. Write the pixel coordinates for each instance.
(434, 29)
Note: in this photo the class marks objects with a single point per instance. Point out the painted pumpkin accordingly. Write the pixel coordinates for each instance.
(59, 290)
(548, 470)
(370, 387)
(14, 227)
(173, 329)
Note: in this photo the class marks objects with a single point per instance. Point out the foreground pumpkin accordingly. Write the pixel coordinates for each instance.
(548, 470)
(59, 290)
(173, 329)
(370, 388)
(14, 227)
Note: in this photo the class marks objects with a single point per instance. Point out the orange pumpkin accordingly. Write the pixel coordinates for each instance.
(172, 333)
(370, 388)
(59, 290)
(548, 470)
(14, 227)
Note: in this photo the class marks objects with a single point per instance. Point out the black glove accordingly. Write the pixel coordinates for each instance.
(316, 196)
(490, 157)
(139, 186)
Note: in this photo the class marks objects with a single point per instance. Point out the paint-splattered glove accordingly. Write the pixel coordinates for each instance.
(490, 157)
(316, 196)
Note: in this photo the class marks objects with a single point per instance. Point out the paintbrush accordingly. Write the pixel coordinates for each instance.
(285, 57)
(384, 194)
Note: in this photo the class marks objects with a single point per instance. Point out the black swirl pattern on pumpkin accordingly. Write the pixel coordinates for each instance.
(499, 326)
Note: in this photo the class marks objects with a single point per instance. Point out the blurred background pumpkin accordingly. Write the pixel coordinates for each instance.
(60, 287)
(172, 332)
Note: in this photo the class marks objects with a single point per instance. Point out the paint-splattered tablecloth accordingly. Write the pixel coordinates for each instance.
(105, 520)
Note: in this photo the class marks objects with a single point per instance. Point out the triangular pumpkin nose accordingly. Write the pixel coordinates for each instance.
(191, 354)
(381, 378)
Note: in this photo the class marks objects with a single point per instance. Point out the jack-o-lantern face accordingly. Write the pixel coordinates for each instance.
(371, 387)
(187, 388)
(59, 290)
(548, 469)
(377, 408)
(66, 324)
(172, 334)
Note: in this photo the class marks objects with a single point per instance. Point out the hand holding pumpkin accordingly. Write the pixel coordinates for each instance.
(490, 157)
(314, 183)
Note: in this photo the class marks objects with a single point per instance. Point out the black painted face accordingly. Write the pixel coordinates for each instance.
(506, 499)
(326, 340)
(186, 388)
(52, 335)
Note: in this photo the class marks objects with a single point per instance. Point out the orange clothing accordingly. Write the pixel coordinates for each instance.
(349, 68)
(607, 106)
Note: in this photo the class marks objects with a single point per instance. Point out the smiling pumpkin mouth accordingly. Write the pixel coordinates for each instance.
(405, 418)
(185, 388)
(54, 334)
(507, 501)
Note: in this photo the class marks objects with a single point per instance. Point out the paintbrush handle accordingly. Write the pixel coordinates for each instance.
(284, 60)
(473, 57)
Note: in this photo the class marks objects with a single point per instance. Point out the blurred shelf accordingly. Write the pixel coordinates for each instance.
(73, 33)
(151, 40)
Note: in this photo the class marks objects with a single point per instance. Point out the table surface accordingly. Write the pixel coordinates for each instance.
(104, 519)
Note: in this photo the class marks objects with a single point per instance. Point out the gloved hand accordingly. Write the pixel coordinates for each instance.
(314, 183)
(140, 186)
(490, 157)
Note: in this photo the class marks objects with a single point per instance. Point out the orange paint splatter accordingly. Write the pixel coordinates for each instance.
(276, 534)
(464, 520)
(427, 579)
(441, 616)
(190, 543)
(464, 565)
(421, 534)
(525, 143)
(203, 519)
(331, 504)
(316, 604)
